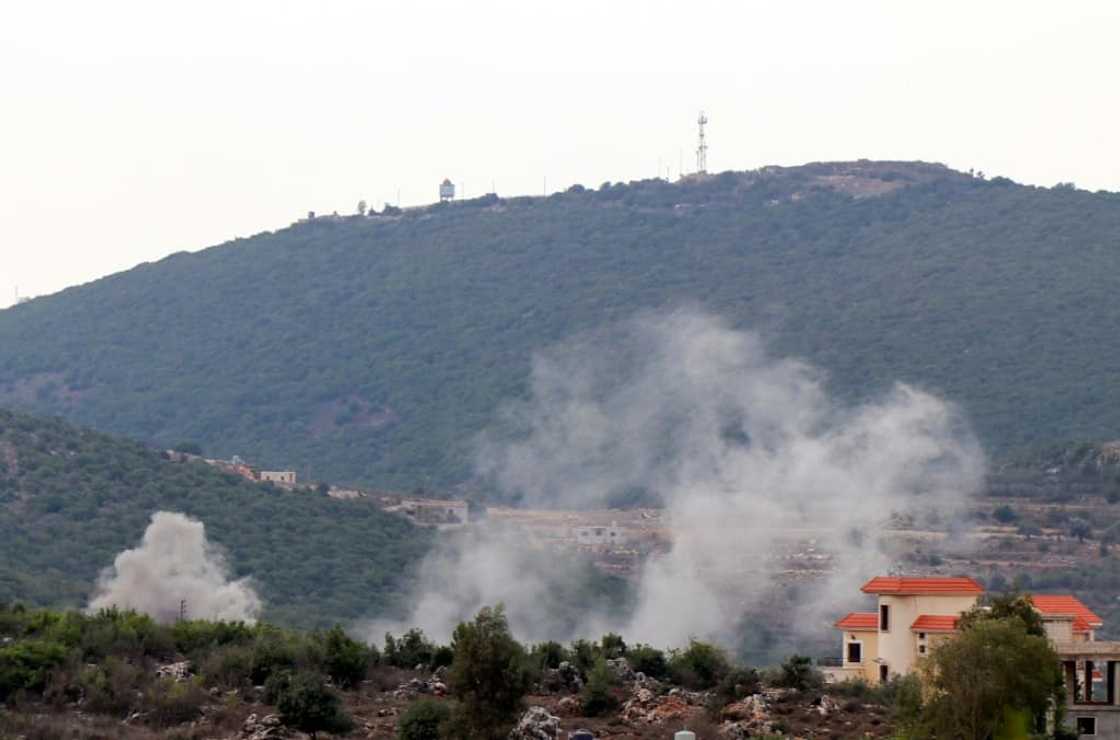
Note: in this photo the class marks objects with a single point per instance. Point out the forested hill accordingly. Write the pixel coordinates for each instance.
(374, 348)
(71, 499)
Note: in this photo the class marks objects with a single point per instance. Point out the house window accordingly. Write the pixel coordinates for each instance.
(884, 618)
(921, 635)
(884, 673)
(921, 650)
(1086, 726)
(855, 652)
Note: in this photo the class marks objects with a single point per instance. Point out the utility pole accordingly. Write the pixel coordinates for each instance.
(702, 147)
(182, 610)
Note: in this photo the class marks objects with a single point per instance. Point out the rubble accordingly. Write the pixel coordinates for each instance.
(564, 678)
(413, 687)
(646, 707)
(268, 727)
(536, 724)
(180, 671)
(621, 669)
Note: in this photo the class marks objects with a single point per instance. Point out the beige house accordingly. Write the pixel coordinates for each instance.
(281, 477)
(914, 614)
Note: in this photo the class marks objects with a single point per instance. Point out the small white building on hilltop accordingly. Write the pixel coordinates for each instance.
(280, 477)
(597, 536)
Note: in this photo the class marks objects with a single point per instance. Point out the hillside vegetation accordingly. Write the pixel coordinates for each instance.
(374, 349)
(71, 499)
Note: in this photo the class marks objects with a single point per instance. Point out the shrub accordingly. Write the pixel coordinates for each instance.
(597, 698)
(548, 654)
(584, 654)
(612, 646)
(110, 687)
(272, 653)
(739, 683)
(230, 666)
(169, 702)
(306, 703)
(798, 673)
(648, 660)
(27, 665)
(194, 635)
(699, 666)
(345, 660)
(410, 650)
(423, 720)
(489, 676)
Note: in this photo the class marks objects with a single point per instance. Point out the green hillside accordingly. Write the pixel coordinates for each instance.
(374, 349)
(71, 499)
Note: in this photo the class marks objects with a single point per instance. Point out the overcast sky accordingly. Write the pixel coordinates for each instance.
(131, 130)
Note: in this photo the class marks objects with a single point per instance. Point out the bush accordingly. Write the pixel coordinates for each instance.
(230, 666)
(423, 720)
(273, 652)
(584, 654)
(700, 666)
(111, 687)
(799, 674)
(169, 702)
(612, 646)
(597, 698)
(27, 665)
(548, 655)
(489, 676)
(345, 660)
(410, 650)
(739, 683)
(648, 660)
(306, 703)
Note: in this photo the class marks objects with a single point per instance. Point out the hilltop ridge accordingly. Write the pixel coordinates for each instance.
(374, 349)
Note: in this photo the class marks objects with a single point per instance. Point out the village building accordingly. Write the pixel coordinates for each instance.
(599, 536)
(915, 613)
(280, 477)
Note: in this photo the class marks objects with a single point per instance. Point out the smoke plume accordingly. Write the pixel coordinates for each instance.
(745, 450)
(173, 563)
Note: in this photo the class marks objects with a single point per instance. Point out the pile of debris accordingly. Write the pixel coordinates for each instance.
(434, 686)
(647, 707)
(268, 727)
(536, 724)
(564, 679)
(748, 717)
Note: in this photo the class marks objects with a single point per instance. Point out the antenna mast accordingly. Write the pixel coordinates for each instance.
(702, 147)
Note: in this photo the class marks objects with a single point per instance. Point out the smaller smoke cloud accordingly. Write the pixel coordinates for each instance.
(175, 563)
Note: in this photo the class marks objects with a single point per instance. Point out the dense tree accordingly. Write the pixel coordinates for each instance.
(993, 673)
(412, 328)
(489, 676)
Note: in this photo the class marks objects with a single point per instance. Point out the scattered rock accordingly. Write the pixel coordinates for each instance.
(621, 669)
(562, 679)
(265, 728)
(536, 724)
(180, 671)
(569, 706)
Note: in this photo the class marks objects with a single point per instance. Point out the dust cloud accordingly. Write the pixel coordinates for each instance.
(743, 448)
(173, 563)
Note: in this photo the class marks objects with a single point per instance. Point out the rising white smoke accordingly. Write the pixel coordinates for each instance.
(173, 563)
(745, 450)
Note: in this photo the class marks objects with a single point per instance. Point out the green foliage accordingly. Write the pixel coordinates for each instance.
(346, 661)
(738, 683)
(1010, 605)
(413, 648)
(412, 327)
(1004, 514)
(699, 666)
(489, 676)
(612, 646)
(548, 655)
(597, 697)
(798, 673)
(168, 702)
(423, 720)
(306, 703)
(351, 560)
(648, 660)
(27, 664)
(987, 674)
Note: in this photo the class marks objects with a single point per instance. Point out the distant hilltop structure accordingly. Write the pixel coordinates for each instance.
(446, 190)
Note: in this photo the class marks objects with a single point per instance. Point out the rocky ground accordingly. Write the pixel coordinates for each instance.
(646, 709)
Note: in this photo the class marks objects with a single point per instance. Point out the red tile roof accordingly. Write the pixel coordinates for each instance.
(1066, 605)
(859, 621)
(934, 623)
(904, 586)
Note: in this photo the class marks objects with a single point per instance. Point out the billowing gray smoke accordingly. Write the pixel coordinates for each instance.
(745, 450)
(174, 563)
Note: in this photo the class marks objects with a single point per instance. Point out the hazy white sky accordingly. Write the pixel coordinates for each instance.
(130, 130)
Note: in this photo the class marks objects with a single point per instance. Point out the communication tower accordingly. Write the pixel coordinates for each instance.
(702, 147)
(446, 190)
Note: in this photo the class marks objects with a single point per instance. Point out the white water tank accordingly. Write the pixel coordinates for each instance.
(685, 735)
